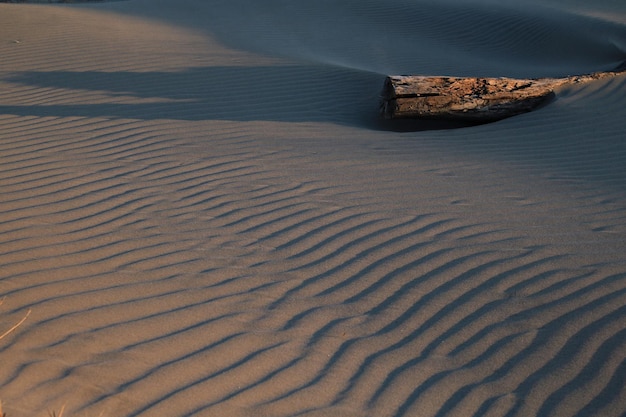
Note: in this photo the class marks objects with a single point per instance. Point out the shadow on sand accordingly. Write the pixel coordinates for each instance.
(298, 93)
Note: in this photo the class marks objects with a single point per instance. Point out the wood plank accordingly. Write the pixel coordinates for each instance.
(471, 99)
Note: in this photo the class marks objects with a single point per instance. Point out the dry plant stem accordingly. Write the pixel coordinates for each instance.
(16, 326)
(54, 414)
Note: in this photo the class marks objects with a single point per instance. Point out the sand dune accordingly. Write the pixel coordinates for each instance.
(205, 217)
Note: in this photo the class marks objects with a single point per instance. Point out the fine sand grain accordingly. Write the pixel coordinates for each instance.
(205, 217)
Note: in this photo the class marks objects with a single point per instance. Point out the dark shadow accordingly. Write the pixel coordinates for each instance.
(400, 37)
(298, 93)
(338, 95)
(420, 125)
(57, 1)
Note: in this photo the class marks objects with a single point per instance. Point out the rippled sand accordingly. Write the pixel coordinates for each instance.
(205, 216)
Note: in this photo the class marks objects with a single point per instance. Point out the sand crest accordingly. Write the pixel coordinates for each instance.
(205, 217)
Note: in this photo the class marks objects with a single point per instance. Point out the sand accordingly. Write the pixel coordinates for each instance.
(205, 216)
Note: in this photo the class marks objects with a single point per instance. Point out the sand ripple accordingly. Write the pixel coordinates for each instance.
(193, 238)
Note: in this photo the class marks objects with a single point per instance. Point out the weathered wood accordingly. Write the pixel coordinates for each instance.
(469, 98)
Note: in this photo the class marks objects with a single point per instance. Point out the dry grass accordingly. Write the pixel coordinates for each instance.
(18, 324)
(15, 326)
(54, 414)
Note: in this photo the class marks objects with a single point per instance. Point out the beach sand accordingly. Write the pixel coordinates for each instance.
(205, 216)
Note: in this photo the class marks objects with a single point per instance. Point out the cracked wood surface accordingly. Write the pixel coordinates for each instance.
(471, 99)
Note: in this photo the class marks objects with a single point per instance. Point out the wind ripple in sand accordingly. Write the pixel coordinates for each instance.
(479, 38)
(214, 284)
(184, 261)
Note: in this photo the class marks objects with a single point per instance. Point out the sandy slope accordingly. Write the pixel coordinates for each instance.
(205, 217)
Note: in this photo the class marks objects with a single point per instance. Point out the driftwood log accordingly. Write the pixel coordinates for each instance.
(470, 99)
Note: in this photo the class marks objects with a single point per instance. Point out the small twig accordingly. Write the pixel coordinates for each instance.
(54, 414)
(17, 325)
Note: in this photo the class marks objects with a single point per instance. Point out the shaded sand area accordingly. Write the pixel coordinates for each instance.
(205, 217)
